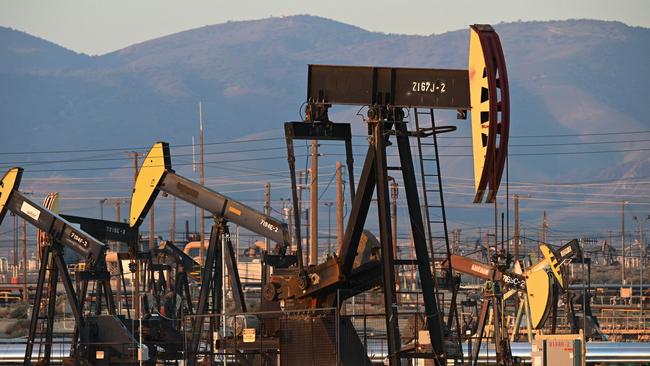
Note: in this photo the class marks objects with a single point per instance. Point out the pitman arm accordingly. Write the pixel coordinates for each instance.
(54, 225)
(157, 175)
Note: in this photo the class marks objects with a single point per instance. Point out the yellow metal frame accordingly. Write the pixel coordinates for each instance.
(10, 181)
(553, 263)
(156, 164)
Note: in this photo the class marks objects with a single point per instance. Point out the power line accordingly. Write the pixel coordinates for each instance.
(135, 148)
(282, 138)
(128, 167)
(323, 154)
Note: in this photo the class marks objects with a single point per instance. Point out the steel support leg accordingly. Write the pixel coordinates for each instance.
(51, 306)
(358, 213)
(383, 206)
(206, 284)
(480, 329)
(36, 310)
(233, 274)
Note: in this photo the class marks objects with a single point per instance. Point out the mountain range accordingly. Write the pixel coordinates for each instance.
(575, 84)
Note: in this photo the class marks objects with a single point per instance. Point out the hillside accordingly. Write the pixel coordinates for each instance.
(567, 77)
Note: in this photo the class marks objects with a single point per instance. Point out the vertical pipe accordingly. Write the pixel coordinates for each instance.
(623, 242)
(516, 243)
(25, 291)
(202, 182)
(393, 196)
(339, 206)
(118, 288)
(314, 203)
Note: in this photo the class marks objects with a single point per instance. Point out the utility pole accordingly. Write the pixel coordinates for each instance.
(117, 202)
(25, 291)
(641, 265)
(516, 249)
(480, 239)
(267, 208)
(329, 226)
(101, 208)
(267, 211)
(623, 242)
(287, 212)
(136, 276)
(455, 240)
(299, 227)
(202, 182)
(339, 206)
(134, 155)
(314, 203)
(523, 241)
(544, 226)
(172, 233)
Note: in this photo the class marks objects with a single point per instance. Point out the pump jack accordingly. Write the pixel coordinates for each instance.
(387, 91)
(114, 344)
(535, 284)
(156, 175)
(159, 333)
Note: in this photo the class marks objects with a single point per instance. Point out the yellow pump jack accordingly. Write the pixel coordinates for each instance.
(534, 286)
(538, 299)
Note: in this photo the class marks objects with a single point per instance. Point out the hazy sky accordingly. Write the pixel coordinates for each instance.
(97, 27)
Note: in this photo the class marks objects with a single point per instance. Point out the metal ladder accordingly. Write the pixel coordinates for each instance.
(434, 206)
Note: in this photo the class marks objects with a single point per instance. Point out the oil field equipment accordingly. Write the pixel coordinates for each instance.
(363, 262)
(159, 328)
(157, 175)
(558, 349)
(387, 92)
(99, 339)
(536, 286)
